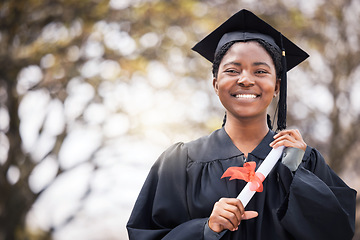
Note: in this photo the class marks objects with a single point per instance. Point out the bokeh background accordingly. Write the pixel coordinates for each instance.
(92, 91)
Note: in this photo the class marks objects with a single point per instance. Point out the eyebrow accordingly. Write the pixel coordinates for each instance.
(232, 63)
(261, 63)
(254, 64)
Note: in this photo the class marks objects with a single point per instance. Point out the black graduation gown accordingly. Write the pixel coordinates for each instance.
(179, 193)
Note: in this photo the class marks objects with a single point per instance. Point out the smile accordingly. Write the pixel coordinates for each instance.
(245, 96)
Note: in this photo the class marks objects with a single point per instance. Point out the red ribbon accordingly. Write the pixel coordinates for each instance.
(247, 173)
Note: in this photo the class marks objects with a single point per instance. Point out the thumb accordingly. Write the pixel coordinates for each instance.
(249, 214)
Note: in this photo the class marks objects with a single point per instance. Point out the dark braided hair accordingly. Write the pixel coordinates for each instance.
(271, 50)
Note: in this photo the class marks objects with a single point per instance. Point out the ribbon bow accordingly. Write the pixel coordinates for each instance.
(247, 173)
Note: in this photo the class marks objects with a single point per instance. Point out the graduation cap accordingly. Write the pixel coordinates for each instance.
(245, 26)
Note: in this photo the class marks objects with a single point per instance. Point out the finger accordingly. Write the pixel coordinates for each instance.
(234, 223)
(224, 218)
(230, 209)
(233, 202)
(283, 141)
(295, 133)
(240, 206)
(285, 132)
(285, 138)
(232, 213)
(298, 135)
(249, 215)
(289, 138)
(239, 212)
(237, 209)
(226, 223)
(232, 219)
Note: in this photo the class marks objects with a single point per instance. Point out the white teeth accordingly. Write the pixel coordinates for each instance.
(245, 96)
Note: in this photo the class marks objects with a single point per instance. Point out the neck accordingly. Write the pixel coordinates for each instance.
(246, 134)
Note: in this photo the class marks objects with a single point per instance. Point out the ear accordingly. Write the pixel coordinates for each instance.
(216, 86)
(277, 87)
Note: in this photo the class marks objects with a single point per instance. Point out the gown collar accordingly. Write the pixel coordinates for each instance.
(263, 149)
(219, 145)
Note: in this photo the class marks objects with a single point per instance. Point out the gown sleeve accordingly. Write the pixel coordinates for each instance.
(161, 211)
(319, 204)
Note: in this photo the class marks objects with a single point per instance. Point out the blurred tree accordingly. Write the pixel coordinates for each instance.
(326, 107)
(25, 38)
(119, 52)
(48, 49)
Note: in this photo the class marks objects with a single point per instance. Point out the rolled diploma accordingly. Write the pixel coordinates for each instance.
(269, 162)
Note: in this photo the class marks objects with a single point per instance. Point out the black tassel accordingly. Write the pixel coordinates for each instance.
(281, 121)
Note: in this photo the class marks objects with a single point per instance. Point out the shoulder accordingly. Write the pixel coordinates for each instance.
(177, 155)
(172, 157)
(313, 159)
(215, 146)
(312, 154)
(314, 162)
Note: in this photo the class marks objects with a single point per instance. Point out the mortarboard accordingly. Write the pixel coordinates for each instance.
(243, 26)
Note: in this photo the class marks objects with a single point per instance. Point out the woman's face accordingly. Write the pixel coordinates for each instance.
(246, 81)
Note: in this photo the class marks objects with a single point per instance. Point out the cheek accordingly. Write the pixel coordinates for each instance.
(270, 90)
(270, 85)
(225, 83)
(222, 93)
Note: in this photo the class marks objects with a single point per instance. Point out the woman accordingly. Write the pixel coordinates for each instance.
(184, 196)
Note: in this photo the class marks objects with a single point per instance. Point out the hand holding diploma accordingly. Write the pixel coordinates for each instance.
(248, 191)
(228, 212)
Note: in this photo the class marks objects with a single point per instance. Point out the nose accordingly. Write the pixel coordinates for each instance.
(245, 81)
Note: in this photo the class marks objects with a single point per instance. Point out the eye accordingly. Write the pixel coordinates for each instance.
(261, 71)
(231, 71)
